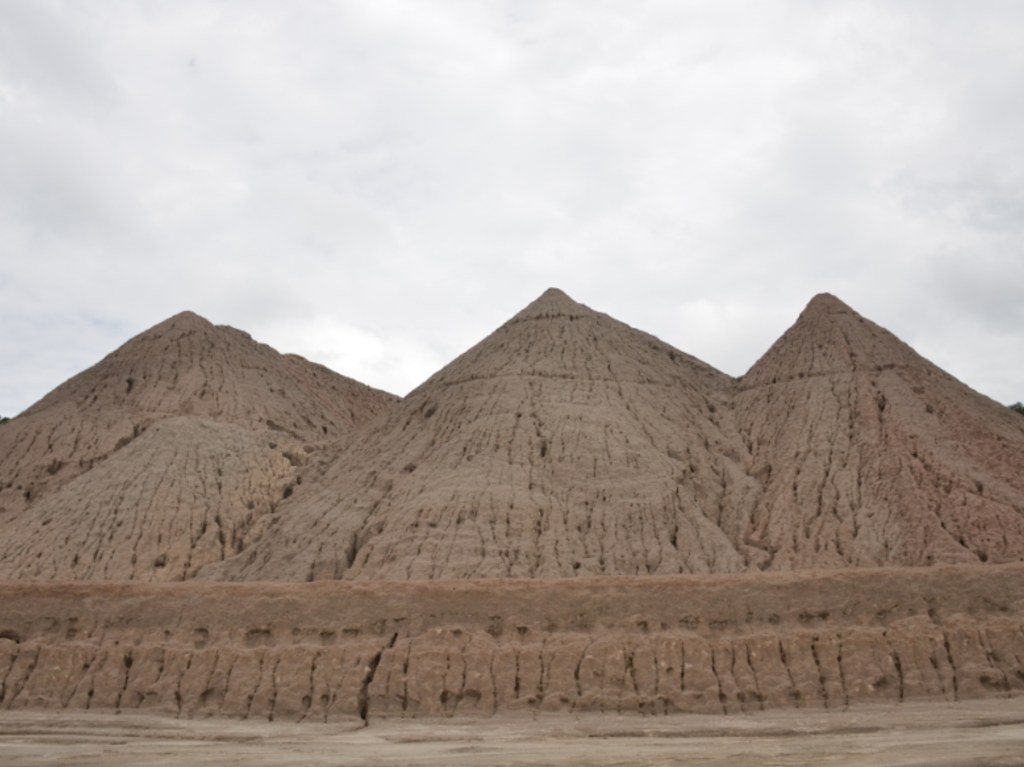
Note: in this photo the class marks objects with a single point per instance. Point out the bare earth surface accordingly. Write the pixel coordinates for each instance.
(567, 444)
(168, 454)
(329, 651)
(977, 733)
(572, 519)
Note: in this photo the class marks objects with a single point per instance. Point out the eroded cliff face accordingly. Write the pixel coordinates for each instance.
(651, 645)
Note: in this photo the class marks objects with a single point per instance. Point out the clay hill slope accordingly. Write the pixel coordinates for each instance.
(166, 454)
(566, 443)
(868, 454)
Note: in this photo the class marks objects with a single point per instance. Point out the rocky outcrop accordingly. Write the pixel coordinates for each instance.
(650, 645)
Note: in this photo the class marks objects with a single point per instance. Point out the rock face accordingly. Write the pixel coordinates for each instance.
(650, 645)
(166, 454)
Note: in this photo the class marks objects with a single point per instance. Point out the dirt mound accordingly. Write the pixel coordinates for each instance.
(563, 447)
(868, 454)
(166, 453)
(183, 366)
(566, 443)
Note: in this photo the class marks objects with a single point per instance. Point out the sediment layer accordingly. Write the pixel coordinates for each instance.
(653, 645)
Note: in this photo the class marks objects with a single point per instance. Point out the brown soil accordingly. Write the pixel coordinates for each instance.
(868, 454)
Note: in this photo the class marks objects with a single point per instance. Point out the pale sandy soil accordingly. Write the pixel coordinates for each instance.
(986, 733)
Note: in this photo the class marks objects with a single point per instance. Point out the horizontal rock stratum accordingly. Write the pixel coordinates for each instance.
(572, 515)
(650, 645)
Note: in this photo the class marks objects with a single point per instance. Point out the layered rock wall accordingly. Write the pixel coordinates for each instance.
(327, 651)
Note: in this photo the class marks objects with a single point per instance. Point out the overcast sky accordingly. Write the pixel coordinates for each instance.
(379, 184)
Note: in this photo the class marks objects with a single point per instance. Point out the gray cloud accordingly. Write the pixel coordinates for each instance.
(378, 185)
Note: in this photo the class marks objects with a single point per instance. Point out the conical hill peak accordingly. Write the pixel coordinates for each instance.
(183, 366)
(825, 307)
(555, 336)
(826, 302)
(563, 417)
(892, 458)
(183, 325)
(830, 337)
(185, 319)
(550, 304)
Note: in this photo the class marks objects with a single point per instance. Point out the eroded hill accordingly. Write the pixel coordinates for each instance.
(167, 454)
(569, 444)
(571, 516)
(565, 444)
(867, 454)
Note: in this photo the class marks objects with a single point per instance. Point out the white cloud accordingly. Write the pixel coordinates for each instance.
(361, 353)
(378, 185)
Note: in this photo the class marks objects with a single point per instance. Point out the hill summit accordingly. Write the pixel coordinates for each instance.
(868, 454)
(166, 454)
(564, 444)
(569, 444)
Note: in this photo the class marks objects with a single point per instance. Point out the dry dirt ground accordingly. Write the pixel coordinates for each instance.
(989, 732)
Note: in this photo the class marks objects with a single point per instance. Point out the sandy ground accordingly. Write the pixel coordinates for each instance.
(986, 733)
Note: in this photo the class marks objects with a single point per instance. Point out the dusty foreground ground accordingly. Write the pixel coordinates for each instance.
(988, 732)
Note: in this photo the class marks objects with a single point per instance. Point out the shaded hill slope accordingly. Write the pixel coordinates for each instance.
(565, 443)
(187, 492)
(183, 366)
